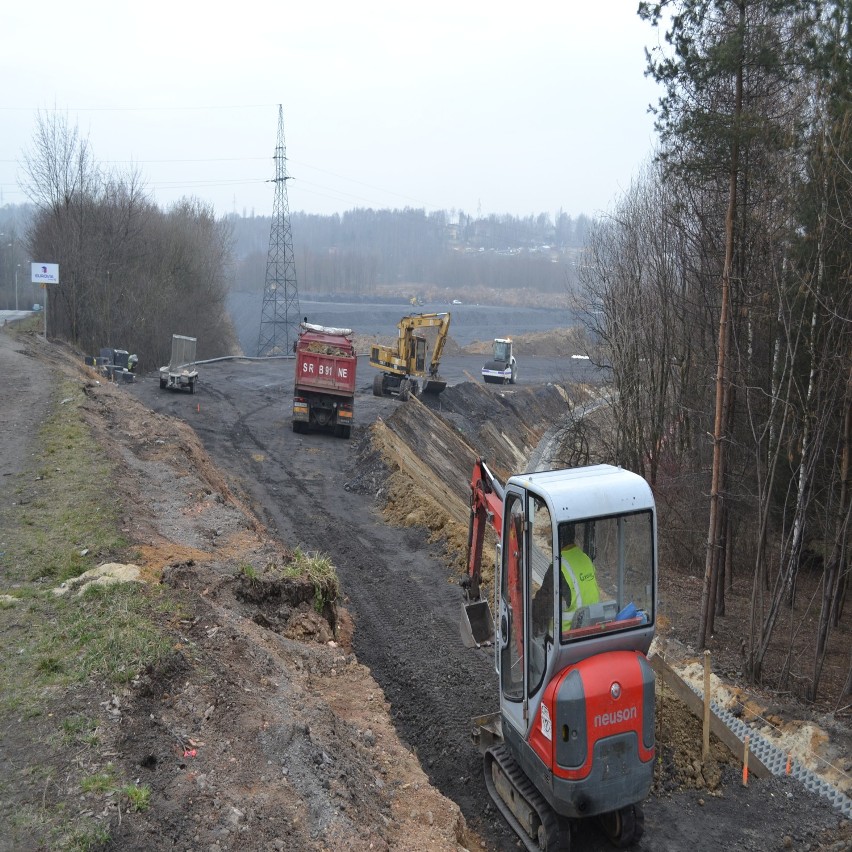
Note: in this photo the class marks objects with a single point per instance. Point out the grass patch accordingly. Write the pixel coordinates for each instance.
(101, 782)
(78, 730)
(86, 839)
(61, 655)
(33, 827)
(321, 572)
(138, 798)
(105, 635)
(63, 519)
(248, 571)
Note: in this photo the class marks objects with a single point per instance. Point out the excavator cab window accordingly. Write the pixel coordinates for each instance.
(607, 575)
(512, 638)
(540, 564)
(527, 556)
(502, 350)
(420, 357)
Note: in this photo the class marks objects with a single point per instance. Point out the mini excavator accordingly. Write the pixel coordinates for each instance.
(574, 736)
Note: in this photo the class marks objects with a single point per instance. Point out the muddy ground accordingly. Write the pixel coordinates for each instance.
(272, 727)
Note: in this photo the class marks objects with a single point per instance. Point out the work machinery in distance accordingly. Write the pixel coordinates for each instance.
(404, 364)
(502, 368)
(180, 373)
(574, 736)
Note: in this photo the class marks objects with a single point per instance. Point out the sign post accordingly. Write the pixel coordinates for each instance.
(45, 274)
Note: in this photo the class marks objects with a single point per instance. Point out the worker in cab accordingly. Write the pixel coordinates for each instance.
(578, 584)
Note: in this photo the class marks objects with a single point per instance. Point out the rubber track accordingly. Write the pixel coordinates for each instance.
(557, 839)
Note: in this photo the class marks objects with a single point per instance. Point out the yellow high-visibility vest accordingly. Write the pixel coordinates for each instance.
(579, 573)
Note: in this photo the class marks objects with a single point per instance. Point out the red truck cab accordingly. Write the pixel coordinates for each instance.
(324, 389)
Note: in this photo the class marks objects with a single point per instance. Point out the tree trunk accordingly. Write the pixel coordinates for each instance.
(717, 479)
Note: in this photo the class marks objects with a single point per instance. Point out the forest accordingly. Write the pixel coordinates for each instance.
(128, 267)
(718, 288)
(364, 251)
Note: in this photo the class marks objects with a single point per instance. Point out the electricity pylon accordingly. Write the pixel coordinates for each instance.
(279, 317)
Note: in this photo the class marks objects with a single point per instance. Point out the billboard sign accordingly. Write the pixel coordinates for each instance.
(45, 273)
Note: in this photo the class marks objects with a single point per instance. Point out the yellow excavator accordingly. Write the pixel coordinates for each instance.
(404, 364)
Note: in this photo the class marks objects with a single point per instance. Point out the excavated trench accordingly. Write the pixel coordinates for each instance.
(426, 444)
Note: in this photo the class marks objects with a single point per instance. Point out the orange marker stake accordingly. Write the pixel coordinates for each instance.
(789, 762)
(745, 762)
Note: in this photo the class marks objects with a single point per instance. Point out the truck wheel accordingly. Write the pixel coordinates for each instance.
(379, 385)
(514, 377)
(342, 431)
(298, 426)
(192, 386)
(163, 384)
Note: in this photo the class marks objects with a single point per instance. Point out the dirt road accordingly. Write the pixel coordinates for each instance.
(406, 607)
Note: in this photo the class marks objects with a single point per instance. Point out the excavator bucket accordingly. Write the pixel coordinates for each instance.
(477, 626)
(433, 385)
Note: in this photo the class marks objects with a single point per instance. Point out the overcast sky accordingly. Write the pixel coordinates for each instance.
(478, 106)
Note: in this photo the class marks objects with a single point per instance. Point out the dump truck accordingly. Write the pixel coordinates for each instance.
(324, 389)
(180, 374)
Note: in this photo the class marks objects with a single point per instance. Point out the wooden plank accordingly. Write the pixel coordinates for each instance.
(696, 706)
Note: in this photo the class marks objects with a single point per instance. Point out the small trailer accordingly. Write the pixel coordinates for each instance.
(180, 374)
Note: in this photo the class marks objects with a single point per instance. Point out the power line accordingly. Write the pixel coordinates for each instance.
(279, 317)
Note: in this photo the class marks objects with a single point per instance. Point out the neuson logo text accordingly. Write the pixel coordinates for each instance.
(604, 720)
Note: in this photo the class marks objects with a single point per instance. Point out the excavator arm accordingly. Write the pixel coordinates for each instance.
(486, 507)
(439, 321)
(439, 345)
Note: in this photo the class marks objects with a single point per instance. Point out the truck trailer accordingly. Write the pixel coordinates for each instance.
(180, 373)
(324, 390)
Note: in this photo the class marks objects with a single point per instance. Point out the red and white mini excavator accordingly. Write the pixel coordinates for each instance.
(574, 593)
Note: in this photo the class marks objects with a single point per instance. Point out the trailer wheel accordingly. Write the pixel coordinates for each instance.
(192, 385)
(379, 385)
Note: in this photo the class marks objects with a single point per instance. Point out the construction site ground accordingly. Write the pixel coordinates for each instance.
(272, 726)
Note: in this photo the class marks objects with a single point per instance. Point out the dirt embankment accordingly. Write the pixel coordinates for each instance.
(261, 730)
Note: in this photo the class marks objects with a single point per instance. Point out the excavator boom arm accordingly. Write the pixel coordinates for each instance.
(439, 321)
(486, 507)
